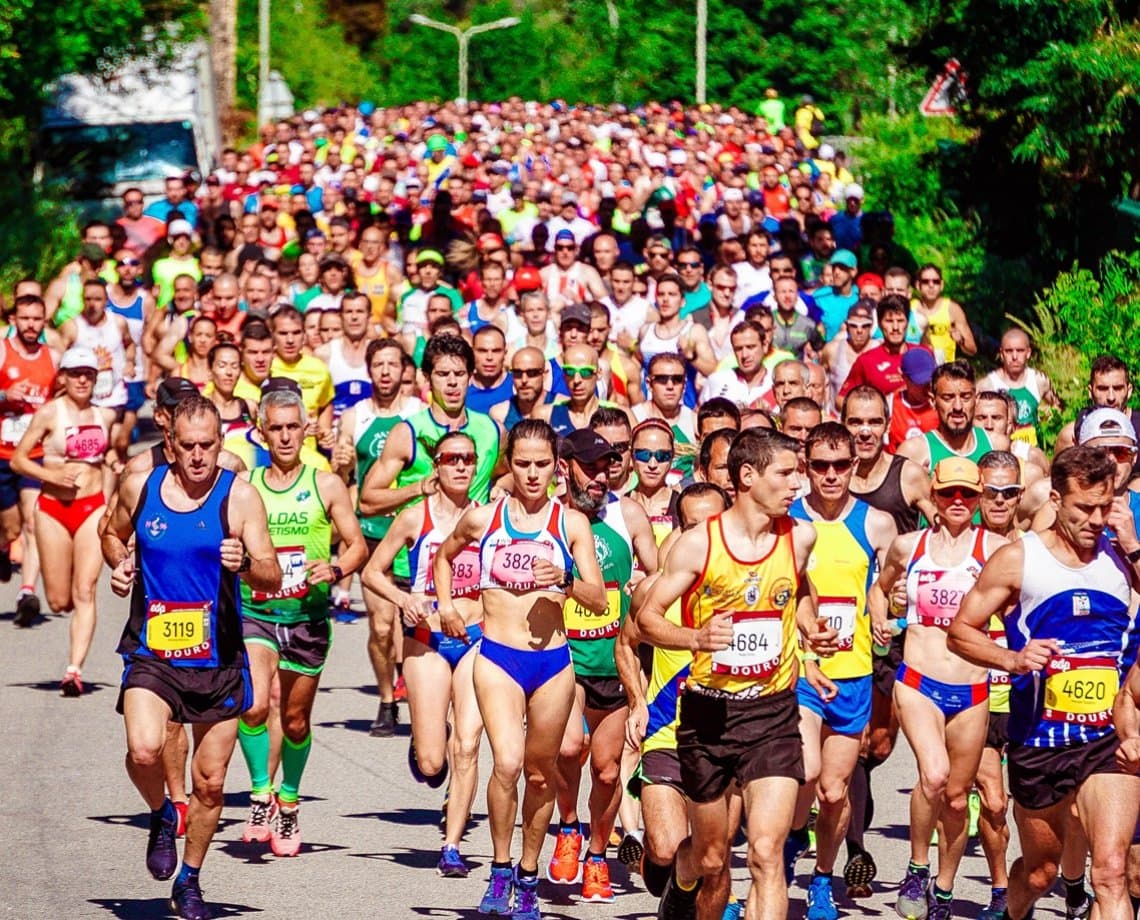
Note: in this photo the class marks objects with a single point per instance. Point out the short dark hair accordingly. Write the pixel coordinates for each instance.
(704, 456)
(1082, 467)
(448, 346)
(1106, 364)
(698, 490)
(609, 416)
(866, 391)
(672, 278)
(672, 357)
(255, 331)
(892, 303)
(195, 406)
(958, 369)
(757, 448)
(379, 345)
(830, 434)
(718, 407)
(213, 353)
(286, 311)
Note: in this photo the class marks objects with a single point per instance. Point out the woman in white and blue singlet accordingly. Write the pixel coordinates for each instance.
(438, 666)
(529, 550)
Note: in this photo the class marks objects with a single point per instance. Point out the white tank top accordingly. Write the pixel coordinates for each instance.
(840, 368)
(464, 567)
(132, 312)
(107, 343)
(934, 592)
(506, 554)
(565, 287)
(652, 344)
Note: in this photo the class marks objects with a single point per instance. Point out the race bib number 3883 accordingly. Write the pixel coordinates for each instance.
(179, 631)
(757, 644)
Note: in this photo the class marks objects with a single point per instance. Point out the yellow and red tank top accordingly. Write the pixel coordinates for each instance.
(761, 597)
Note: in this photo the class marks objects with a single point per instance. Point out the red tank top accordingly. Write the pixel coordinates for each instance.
(27, 385)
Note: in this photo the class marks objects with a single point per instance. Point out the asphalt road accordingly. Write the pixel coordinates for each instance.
(72, 827)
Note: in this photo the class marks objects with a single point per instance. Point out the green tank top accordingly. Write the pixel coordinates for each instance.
(939, 451)
(370, 439)
(301, 532)
(426, 432)
(592, 636)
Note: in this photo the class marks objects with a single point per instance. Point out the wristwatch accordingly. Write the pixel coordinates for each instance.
(1133, 556)
(338, 573)
(246, 562)
(567, 580)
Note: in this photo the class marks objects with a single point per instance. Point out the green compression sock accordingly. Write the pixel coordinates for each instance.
(293, 760)
(254, 741)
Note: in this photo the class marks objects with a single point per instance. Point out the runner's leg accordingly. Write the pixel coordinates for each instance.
(145, 716)
(838, 756)
(429, 681)
(769, 804)
(213, 747)
(965, 736)
(924, 726)
(464, 748)
(87, 563)
(993, 826)
(503, 708)
(547, 712)
(1108, 804)
(1035, 871)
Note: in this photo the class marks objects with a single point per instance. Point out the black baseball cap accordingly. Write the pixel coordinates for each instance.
(280, 385)
(587, 446)
(173, 390)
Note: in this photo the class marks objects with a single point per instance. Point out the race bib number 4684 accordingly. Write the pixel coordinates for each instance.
(757, 644)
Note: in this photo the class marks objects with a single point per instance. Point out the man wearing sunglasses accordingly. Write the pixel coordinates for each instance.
(666, 375)
(567, 280)
(573, 413)
(1064, 593)
(834, 695)
(527, 373)
(130, 299)
(691, 269)
(621, 534)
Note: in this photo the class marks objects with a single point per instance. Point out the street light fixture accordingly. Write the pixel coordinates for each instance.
(463, 36)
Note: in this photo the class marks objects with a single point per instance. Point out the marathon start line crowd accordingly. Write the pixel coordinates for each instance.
(652, 451)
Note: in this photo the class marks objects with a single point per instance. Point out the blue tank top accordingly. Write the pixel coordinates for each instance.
(560, 420)
(185, 607)
(481, 400)
(1086, 610)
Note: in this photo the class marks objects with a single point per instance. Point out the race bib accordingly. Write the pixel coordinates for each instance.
(12, 428)
(512, 562)
(839, 612)
(585, 624)
(1080, 690)
(997, 634)
(179, 631)
(84, 442)
(464, 572)
(940, 595)
(294, 577)
(757, 644)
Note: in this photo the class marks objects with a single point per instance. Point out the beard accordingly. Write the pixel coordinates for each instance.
(582, 498)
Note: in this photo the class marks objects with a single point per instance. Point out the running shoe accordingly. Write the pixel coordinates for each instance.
(285, 835)
(565, 866)
(161, 843)
(386, 720)
(973, 812)
(497, 897)
(996, 909)
(596, 886)
(400, 690)
(795, 846)
(186, 902)
(1080, 911)
(820, 902)
(181, 808)
(526, 899)
(451, 864)
(858, 874)
(940, 908)
(630, 851)
(677, 904)
(71, 685)
(27, 609)
(912, 901)
(733, 910)
(261, 813)
(6, 564)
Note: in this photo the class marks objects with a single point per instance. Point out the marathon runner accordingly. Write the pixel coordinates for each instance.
(196, 530)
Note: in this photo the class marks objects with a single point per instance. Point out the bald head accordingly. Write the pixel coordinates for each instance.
(226, 293)
(579, 356)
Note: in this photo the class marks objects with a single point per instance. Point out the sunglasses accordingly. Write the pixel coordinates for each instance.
(952, 492)
(688, 264)
(450, 459)
(1005, 493)
(822, 466)
(863, 326)
(132, 262)
(528, 373)
(644, 455)
(82, 372)
(659, 254)
(620, 446)
(724, 287)
(929, 280)
(673, 379)
(565, 246)
(130, 201)
(1121, 452)
(586, 373)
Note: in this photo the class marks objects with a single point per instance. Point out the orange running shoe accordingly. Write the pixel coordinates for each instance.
(565, 865)
(596, 881)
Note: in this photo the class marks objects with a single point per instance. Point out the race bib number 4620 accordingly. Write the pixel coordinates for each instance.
(1080, 690)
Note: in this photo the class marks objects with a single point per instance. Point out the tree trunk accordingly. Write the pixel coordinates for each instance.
(223, 58)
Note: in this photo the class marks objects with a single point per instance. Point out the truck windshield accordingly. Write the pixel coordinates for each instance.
(86, 161)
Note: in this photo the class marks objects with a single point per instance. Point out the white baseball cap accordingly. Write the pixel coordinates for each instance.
(179, 228)
(77, 357)
(854, 190)
(1106, 423)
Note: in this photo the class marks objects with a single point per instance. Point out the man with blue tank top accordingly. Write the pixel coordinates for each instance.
(1064, 594)
(134, 303)
(198, 531)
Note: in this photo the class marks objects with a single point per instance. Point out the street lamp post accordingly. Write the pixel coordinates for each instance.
(463, 36)
(702, 49)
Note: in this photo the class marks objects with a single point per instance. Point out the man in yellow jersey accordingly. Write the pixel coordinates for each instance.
(311, 373)
(744, 594)
(1002, 490)
(835, 695)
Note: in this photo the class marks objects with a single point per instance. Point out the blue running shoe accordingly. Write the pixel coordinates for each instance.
(451, 864)
(733, 910)
(795, 846)
(912, 902)
(186, 902)
(526, 899)
(497, 898)
(820, 903)
(996, 908)
(162, 843)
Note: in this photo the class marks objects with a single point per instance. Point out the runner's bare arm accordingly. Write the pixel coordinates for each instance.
(641, 534)
(467, 530)
(250, 525)
(116, 527)
(1126, 720)
(882, 530)
(587, 588)
(915, 480)
(878, 595)
(917, 450)
(376, 494)
(962, 332)
(344, 454)
(374, 575)
(821, 640)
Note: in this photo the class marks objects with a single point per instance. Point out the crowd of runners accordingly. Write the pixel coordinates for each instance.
(659, 463)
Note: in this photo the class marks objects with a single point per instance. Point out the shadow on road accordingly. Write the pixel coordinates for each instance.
(411, 859)
(363, 725)
(423, 817)
(159, 908)
(52, 686)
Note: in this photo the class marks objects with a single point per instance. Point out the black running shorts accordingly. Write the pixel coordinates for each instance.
(193, 694)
